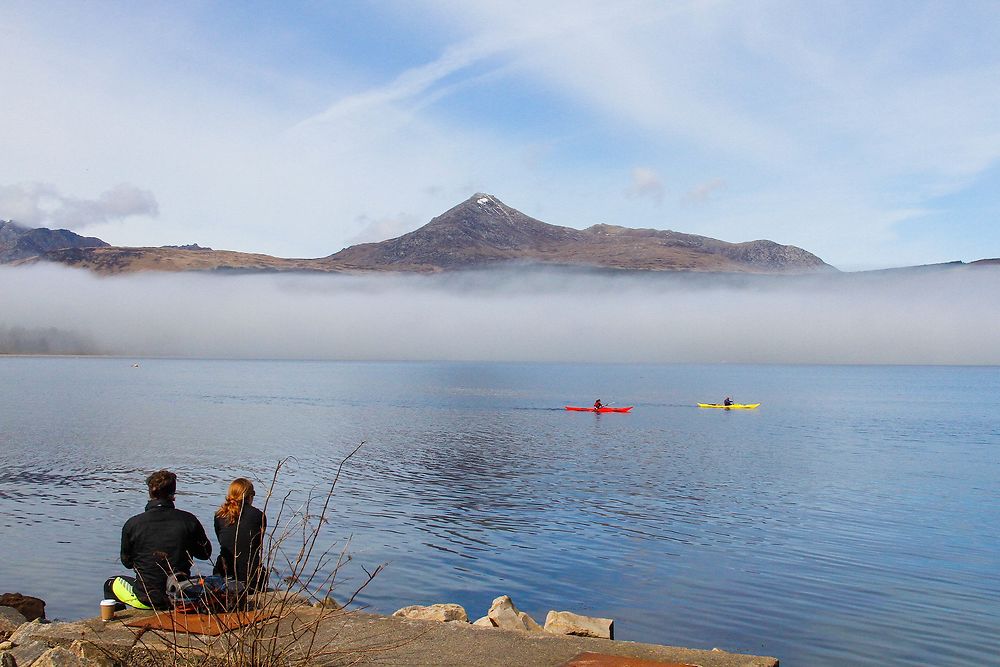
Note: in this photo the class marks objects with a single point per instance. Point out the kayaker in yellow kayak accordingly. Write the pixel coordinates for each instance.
(730, 405)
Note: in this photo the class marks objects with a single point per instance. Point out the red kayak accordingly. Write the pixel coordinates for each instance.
(570, 407)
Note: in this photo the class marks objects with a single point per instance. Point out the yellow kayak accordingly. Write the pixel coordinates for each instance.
(734, 406)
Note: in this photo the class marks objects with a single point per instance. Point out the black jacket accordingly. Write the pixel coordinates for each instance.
(240, 547)
(159, 542)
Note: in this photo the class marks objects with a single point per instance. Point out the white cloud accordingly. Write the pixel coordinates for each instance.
(703, 191)
(42, 205)
(645, 183)
(381, 229)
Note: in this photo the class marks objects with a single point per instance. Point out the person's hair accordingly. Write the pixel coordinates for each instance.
(240, 489)
(162, 485)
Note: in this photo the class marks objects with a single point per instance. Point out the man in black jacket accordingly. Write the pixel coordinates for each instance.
(159, 542)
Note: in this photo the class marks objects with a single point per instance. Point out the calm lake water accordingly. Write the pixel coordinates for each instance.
(852, 519)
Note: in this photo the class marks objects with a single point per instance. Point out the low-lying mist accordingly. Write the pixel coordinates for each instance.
(944, 316)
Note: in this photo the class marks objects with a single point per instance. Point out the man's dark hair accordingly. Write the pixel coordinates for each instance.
(162, 485)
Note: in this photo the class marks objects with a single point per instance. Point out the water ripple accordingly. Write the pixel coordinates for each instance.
(825, 537)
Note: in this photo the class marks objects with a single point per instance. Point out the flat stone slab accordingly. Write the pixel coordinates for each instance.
(368, 639)
(605, 660)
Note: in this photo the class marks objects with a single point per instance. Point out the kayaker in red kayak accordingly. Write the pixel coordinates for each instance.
(598, 405)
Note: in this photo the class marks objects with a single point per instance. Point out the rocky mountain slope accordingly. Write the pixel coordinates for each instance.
(481, 231)
(17, 242)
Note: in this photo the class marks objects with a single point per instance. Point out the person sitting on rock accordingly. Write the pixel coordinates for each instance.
(160, 542)
(240, 528)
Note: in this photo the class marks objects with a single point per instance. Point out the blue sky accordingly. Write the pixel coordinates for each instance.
(868, 133)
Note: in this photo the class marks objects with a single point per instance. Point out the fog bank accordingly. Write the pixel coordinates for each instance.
(930, 317)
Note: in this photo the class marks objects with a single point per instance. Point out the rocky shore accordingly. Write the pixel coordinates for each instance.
(439, 634)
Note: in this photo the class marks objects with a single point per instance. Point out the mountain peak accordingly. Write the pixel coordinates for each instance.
(479, 202)
(480, 230)
(481, 209)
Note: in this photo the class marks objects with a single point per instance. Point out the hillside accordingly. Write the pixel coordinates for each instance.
(112, 260)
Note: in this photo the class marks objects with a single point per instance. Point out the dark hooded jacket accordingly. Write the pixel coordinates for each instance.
(159, 542)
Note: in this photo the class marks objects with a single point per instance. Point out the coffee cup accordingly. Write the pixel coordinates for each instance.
(108, 609)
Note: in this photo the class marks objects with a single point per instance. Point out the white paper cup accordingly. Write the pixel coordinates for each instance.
(108, 609)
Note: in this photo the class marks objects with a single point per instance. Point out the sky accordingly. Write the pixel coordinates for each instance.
(866, 133)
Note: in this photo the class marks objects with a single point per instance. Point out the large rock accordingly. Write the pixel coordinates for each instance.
(568, 623)
(98, 656)
(504, 614)
(61, 657)
(24, 633)
(27, 654)
(484, 622)
(31, 608)
(434, 612)
(10, 620)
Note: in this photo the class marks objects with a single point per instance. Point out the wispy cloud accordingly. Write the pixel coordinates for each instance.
(408, 85)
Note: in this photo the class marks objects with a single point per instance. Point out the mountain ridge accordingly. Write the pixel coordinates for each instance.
(479, 232)
(482, 230)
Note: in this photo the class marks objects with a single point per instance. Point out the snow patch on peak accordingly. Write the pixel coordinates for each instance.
(483, 200)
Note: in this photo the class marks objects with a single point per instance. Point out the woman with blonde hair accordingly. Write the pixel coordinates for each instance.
(240, 528)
